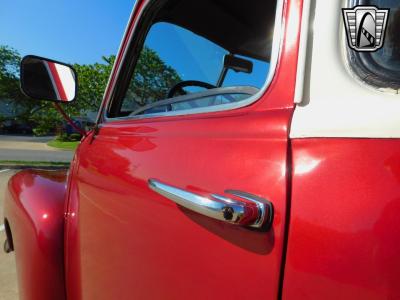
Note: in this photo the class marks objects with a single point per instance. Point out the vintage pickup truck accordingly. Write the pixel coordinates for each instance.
(243, 150)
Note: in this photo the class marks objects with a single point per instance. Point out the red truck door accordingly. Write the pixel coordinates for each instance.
(126, 237)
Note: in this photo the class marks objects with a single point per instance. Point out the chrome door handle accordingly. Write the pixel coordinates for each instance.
(242, 209)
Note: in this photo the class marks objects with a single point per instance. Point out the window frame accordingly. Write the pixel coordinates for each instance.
(135, 44)
(364, 67)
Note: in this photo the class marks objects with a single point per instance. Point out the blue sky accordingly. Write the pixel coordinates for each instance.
(82, 31)
(74, 31)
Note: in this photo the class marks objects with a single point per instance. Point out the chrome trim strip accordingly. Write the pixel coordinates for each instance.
(244, 90)
(219, 207)
(277, 42)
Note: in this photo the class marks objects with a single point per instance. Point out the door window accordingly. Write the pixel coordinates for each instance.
(193, 58)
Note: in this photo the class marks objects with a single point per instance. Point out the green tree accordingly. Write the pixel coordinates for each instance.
(151, 81)
(12, 101)
(92, 81)
(9, 67)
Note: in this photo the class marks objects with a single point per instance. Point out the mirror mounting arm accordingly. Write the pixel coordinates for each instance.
(69, 120)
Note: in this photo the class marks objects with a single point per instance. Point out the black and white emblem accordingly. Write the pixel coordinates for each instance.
(365, 27)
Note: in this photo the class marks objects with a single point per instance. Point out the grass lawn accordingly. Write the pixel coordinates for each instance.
(34, 163)
(63, 145)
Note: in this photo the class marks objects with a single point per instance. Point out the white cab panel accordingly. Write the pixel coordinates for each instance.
(334, 103)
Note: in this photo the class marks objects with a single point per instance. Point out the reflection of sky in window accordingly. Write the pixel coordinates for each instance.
(196, 58)
(191, 56)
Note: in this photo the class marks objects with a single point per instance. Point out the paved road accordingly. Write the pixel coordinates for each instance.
(25, 138)
(31, 149)
(8, 275)
(35, 155)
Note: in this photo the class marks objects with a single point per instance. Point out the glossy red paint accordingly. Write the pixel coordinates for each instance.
(34, 209)
(134, 243)
(344, 238)
(124, 241)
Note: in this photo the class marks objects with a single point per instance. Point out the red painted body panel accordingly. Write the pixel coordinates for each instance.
(34, 209)
(125, 241)
(134, 243)
(344, 238)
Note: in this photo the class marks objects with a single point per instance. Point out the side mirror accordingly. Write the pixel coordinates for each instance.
(46, 79)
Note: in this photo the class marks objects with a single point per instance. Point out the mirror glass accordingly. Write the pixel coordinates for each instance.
(45, 79)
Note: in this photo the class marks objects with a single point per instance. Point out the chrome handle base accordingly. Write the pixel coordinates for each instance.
(243, 209)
